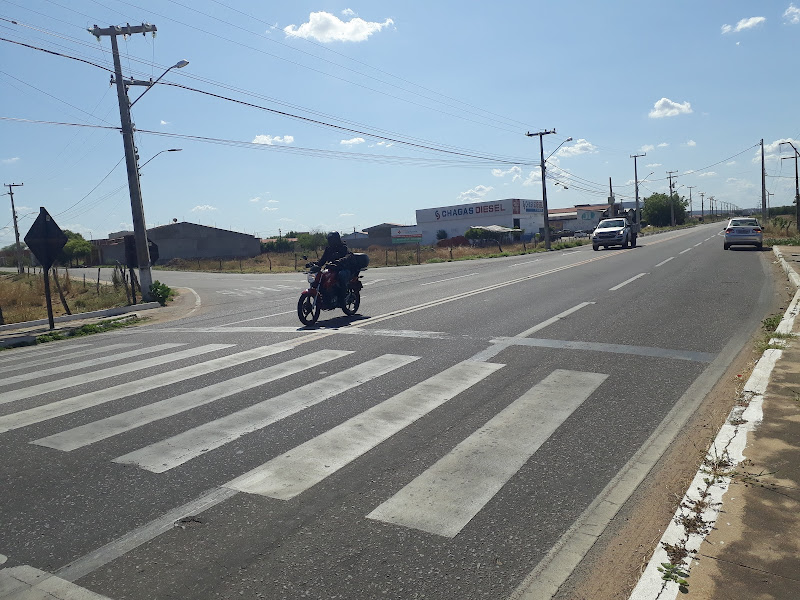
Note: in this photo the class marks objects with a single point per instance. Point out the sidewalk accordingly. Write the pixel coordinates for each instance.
(22, 334)
(752, 547)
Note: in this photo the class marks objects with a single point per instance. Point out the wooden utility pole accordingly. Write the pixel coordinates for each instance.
(18, 248)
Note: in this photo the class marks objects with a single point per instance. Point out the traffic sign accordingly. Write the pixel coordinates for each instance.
(45, 239)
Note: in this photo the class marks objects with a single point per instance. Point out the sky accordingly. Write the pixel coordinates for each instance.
(342, 115)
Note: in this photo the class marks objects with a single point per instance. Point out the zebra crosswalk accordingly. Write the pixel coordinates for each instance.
(441, 500)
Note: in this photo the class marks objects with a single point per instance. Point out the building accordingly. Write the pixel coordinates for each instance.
(515, 213)
(187, 240)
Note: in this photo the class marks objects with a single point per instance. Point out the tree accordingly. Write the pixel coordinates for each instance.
(311, 241)
(441, 234)
(75, 249)
(657, 211)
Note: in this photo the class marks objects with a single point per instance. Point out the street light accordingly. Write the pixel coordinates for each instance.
(178, 65)
(569, 139)
(542, 162)
(156, 154)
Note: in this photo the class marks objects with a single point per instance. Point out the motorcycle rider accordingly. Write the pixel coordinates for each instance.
(335, 250)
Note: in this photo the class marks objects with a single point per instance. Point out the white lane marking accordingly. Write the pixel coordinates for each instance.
(95, 431)
(626, 282)
(697, 244)
(27, 583)
(65, 356)
(552, 320)
(141, 535)
(167, 454)
(98, 360)
(448, 279)
(124, 390)
(408, 333)
(684, 251)
(286, 312)
(197, 301)
(19, 354)
(51, 386)
(443, 499)
(527, 262)
(300, 468)
(663, 262)
(373, 281)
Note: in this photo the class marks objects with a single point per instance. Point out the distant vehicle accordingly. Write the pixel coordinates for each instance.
(613, 232)
(581, 234)
(743, 232)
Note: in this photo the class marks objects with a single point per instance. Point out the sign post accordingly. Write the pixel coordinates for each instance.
(46, 240)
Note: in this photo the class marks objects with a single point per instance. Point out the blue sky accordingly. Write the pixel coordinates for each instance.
(367, 111)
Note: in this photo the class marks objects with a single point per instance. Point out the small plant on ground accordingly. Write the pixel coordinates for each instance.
(161, 292)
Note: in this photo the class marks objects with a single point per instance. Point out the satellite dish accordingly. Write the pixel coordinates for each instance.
(174, 220)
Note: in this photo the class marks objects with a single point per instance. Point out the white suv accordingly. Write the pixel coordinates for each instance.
(612, 232)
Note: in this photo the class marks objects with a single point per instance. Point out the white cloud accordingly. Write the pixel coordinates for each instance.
(349, 12)
(792, 15)
(256, 199)
(273, 201)
(475, 194)
(325, 27)
(385, 144)
(707, 174)
(203, 208)
(667, 108)
(748, 23)
(691, 143)
(579, 147)
(163, 122)
(515, 172)
(730, 164)
(353, 141)
(269, 208)
(10, 161)
(285, 220)
(663, 145)
(347, 215)
(269, 140)
(689, 172)
(653, 165)
(647, 148)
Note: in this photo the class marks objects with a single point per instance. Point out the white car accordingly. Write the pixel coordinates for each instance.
(743, 231)
(612, 232)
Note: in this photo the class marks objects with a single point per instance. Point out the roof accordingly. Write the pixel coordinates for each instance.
(384, 225)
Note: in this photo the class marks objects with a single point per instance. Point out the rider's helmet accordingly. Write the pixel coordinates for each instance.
(334, 239)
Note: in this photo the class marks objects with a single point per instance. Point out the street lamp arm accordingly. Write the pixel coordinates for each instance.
(569, 139)
(157, 153)
(178, 65)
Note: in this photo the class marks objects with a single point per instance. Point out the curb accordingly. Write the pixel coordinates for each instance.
(108, 312)
(730, 445)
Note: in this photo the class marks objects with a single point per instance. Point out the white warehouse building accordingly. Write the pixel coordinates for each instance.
(515, 213)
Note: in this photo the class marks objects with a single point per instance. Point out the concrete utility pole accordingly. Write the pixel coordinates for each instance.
(702, 206)
(544, 185)
(131, 157)
(796, 187)
(763, 184)
(711, 206)
(18, 249)
(690, 199)
(671, 200)
(636, 180)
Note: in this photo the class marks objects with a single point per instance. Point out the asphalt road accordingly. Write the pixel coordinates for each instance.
(438, 445)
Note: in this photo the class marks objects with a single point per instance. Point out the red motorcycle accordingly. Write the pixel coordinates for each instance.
(324, 293)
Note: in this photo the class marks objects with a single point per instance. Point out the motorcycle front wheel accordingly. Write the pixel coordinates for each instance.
(351, 302)
(308, 309)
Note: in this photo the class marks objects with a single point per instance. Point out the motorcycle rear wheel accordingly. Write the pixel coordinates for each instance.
(351, 302)
(307, 309)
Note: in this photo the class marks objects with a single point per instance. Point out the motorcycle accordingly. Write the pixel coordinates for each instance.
(322, 292)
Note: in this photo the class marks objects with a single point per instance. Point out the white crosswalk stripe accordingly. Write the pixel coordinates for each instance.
(302, 467)
(111, 426)
(70, 405)
(444, 498)
(72, 354)
(172, 452)
(15, 355)
(97, 360)
(116, 371)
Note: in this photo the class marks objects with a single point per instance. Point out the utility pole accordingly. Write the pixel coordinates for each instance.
(690, 199)
(636, 180)
(544, 185)
(18, 249)
(711, 206)
(763, 184)
(796, 187)
(702, 206)
(131, 157)
(671, 200)
(768, 195)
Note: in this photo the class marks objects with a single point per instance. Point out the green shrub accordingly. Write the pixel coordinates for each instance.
(161, 292)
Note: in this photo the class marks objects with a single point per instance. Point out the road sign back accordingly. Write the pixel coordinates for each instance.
(45, 239)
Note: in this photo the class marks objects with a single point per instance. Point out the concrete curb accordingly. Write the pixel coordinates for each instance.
(109, 312)
(730, 442)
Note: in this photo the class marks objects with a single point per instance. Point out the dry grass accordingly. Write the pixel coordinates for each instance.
(22, 297)
(378, 257)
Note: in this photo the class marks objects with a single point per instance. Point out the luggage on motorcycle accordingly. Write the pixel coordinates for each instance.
(358, 260)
